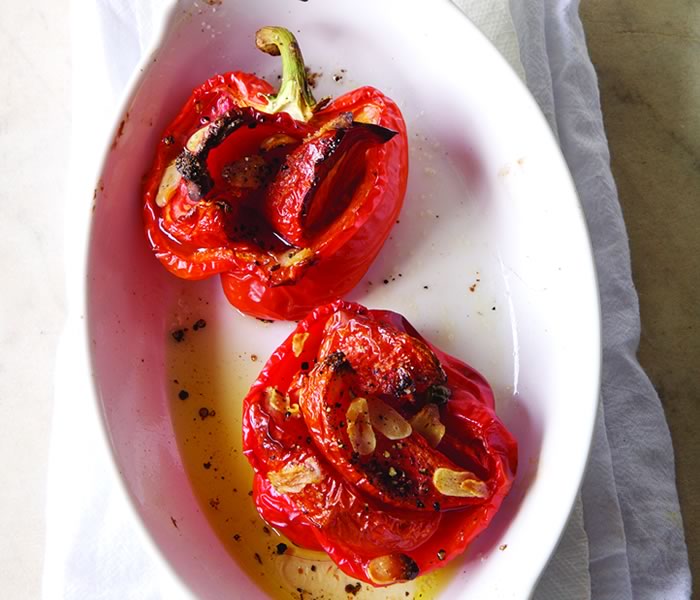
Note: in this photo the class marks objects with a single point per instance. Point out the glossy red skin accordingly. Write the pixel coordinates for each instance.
(190, 238)
(331, 514)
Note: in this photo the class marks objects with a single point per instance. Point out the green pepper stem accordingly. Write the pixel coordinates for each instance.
(294, 96)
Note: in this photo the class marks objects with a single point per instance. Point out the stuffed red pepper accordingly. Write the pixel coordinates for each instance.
(288, 199)
(374, 446)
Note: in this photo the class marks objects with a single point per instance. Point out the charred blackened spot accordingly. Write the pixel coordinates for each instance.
(194, 170)
(392, 568)
(438, 394)
(411, 568)
(337, 362)
(390, 479)
(404, 382)
(191, 163)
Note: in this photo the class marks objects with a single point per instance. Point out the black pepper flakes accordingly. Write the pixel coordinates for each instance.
(281, 548)
(436, 506)
(237, 537)
(183, 394)
(203, 413)
(207, 465)
(257, 557)
(178, 335)
(305, 366)
(353, 589)
(200, 324)
(441, 554)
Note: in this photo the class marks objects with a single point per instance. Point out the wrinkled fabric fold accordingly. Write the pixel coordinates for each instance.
(631, 510)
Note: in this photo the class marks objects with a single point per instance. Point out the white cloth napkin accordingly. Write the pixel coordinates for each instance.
(630, 502)
(624, 539)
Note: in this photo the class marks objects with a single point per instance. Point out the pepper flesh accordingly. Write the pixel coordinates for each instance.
(380, 516)
(288, 200)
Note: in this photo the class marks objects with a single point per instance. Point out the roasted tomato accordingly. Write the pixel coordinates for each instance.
(375, 446)
(289, 200)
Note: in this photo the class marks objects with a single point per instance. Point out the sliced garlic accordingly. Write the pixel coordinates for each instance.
(295, 476)
(289, 260)
(274, 401)
(388, 421)
(197, 139)
(392, 568)
(427, 423)
(461, 484)
(298, 341)
(279, 139)
(168, 185)
(360, 432)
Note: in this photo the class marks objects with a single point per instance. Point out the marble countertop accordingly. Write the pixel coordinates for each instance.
(646, 57)
(34, 128)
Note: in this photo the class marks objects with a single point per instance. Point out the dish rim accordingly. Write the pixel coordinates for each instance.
(165, 20)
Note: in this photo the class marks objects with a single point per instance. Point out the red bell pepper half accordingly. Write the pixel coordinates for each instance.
(289, 200)
(371, 444)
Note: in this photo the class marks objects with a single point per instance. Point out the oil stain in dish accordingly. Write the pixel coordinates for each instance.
(207, 424)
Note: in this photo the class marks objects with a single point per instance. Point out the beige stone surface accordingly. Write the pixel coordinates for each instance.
(34, 128)
(647, 55)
